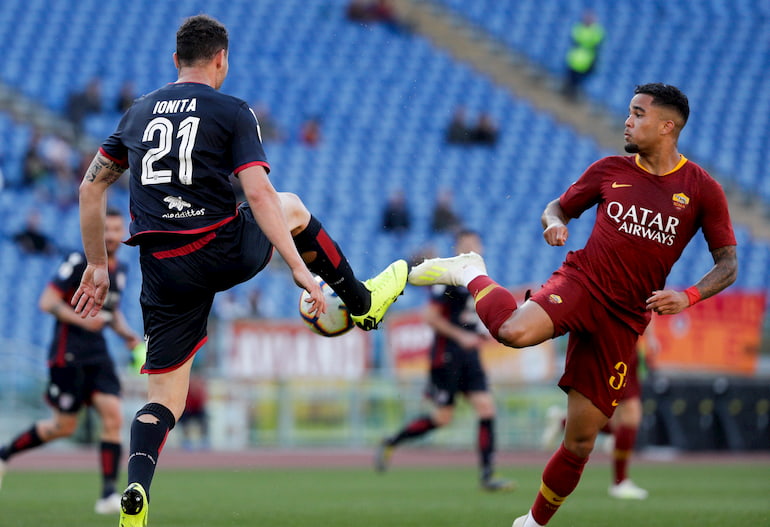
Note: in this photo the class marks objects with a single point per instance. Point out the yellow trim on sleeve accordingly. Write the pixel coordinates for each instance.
(484, 292)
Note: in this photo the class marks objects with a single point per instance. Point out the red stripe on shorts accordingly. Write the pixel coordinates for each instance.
(186, 249)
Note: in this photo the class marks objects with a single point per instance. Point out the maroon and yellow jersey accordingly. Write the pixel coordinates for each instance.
(643, 223)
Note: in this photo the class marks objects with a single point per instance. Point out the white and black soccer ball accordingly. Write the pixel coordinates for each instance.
(335, 321)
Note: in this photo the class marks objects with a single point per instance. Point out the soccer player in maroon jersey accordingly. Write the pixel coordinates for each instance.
(649, 206)
(180, 144)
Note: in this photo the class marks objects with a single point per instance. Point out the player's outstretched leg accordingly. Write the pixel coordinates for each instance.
(385, 288)
(367, 301)
(133, 505)
(447, 271)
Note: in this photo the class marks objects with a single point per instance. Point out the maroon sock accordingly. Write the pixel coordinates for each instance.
(625, 437)
(560, 477)
(494, 303)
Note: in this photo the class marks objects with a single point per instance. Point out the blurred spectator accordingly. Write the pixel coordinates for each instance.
(380, 11)
(444, 218)
(421, 255)
(125, 97)
(268, 128)
(457, 132)
(587, 36)
(31, 238)
(310, 133)
(82, 104)
(485, 131)
(35, 171)
(359, 11)
(396, 217)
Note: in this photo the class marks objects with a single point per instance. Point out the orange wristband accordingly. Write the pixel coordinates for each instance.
(693, 295)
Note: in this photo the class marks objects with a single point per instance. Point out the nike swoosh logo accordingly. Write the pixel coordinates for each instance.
(615, 184)
(615, 401)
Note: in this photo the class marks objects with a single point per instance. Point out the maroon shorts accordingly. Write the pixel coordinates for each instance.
(601, 352)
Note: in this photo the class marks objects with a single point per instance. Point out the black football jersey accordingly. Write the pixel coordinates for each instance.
(457, 306)
(180, 144)
(73, 344)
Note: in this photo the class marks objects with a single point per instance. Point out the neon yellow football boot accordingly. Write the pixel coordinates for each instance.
(133, 507)
(385, 288)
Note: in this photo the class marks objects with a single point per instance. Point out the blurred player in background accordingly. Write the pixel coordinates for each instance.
(624, 425)
(81, 369)
(649, 206)
(181, 143)
(455, 367)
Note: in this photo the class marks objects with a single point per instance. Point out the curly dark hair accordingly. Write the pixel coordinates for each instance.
(199, 38)
(667, 95)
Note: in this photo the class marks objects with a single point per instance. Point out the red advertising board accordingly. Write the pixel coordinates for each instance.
(287, 350)
(409, 339)
(720, 334)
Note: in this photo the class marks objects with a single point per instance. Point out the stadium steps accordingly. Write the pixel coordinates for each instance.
(471, 44)
(24, 109)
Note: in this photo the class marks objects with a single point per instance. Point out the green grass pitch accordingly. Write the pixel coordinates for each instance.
(681, 495)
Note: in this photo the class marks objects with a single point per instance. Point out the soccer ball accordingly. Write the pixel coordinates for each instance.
(335, 321)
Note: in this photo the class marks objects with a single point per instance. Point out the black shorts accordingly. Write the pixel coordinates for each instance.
(71, 386)
(180, 278)
(461, 371)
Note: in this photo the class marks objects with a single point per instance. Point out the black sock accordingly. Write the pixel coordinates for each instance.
(24, 441)
(146, 443)
(109, 455)
(420, 426)
(324, 257)
(486, 445)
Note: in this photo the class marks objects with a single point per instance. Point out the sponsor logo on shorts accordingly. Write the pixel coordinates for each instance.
(555, 299)
(615, 402)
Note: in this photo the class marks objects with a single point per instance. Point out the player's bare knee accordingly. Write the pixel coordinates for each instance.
(581, 447)
(297, 215)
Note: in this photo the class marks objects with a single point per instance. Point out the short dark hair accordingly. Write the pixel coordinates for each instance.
(200, 37)
(666, 95)
(112, 211)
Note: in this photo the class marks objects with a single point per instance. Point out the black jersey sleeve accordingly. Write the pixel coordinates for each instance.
(113, 147)
(247, 145)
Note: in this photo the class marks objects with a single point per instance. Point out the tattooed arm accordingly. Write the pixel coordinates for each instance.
(723, 274)
(102, 173)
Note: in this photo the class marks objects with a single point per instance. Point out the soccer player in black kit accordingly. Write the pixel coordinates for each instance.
(81, 370)
(180, 144)
(455, 367)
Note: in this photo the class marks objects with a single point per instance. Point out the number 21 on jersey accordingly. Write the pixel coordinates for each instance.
(161, 129)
